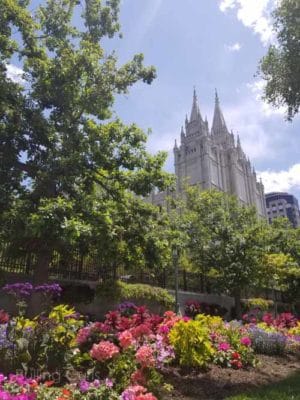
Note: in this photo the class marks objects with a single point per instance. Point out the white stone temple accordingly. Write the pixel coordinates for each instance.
(211, 159)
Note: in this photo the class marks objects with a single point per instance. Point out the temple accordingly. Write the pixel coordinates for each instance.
(214, 159)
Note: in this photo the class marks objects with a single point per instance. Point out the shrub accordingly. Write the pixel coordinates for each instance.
(258, 303)
(295, 330)
(119, 291)
(192, 344)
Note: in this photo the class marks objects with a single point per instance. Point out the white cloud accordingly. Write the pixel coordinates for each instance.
(246, 120)
(254, 14)
(252, 119)
(227, 4)
(15, 73)
(257, 88)
(233, 47)
(281, 181)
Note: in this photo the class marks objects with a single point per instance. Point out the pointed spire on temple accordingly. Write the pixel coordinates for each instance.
(175, 145)
(219, 124)
(217, 101)
(182, 134)
(195, 113)
(206, 125)
(238, 143)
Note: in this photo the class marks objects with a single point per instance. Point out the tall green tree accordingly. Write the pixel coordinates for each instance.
(226, 241)
(280, 67)
(65, 162)
(282, 261)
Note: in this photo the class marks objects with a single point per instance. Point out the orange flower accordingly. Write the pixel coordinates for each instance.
(66, 392)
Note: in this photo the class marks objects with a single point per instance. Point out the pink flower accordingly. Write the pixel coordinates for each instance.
(126, 339)
(104, 350)
(132, 392)
(137, 392)
(147, 396)
(224, 346)
(246, 341)
(164, 329)
(144, 356)
(141, 330)
(170, 314)
(83, 335)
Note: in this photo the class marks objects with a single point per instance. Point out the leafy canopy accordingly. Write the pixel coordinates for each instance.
(66, 162)
(280, 67)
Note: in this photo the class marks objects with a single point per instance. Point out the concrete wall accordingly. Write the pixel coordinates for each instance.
(222, 300)
(99, 307)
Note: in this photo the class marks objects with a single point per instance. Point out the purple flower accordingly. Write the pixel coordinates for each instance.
(51, 289)
(20, 290)
(84, 386)
(127, 308)
(109, 383)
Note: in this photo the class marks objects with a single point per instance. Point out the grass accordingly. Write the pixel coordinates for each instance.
(287, 389)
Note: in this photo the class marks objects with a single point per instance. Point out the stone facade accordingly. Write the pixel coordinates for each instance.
(213, 159)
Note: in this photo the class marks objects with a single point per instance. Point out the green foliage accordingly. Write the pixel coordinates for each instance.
(280, 67)
(119, 291)
(260, 303)
(70, 172)
(121, 369)
(191, 343)
(226, 240)
(44, 342)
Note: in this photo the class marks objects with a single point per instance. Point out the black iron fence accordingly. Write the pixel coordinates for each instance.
(74, 266)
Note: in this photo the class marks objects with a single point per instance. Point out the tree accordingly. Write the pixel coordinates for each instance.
(280, 67)
(66, 164)
(282, 260)
(226, 241)
(281, 272)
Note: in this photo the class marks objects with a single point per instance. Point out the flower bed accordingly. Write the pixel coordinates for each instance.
(124, 356)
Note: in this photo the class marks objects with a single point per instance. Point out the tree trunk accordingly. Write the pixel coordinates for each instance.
(41, 273)
(238, 303)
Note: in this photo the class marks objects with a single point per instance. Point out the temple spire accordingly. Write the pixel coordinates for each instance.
(182, 134)
(195, 113)
(219, 124)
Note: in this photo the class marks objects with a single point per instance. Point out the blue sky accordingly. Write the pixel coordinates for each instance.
(207, 44)
(210, 44)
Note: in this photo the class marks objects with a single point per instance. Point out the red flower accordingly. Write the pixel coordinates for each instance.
(236, 364)
(236, 355)
(4, 317)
